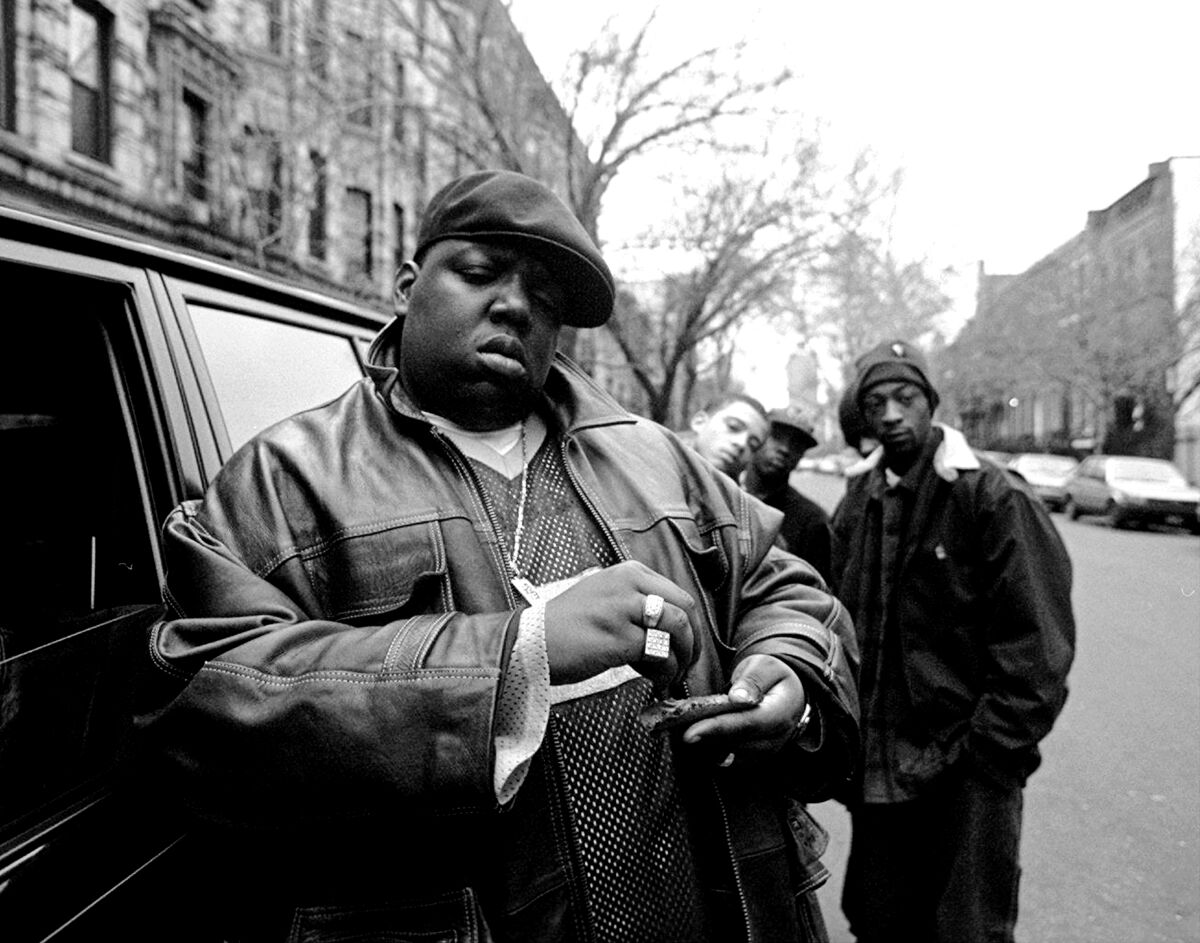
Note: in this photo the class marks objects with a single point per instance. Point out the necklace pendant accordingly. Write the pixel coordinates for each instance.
(526, 589)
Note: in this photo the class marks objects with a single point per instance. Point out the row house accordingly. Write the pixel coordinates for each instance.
(300, 136)
(1093, 347)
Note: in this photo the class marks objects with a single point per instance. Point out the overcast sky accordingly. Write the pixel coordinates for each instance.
(1010, 119)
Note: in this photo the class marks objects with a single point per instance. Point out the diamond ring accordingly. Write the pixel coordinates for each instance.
(658, 645)
(652, 610)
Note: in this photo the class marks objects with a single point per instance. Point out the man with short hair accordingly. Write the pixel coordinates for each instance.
(728, 430)
(417, 639)
(805, 531)
(960, 590)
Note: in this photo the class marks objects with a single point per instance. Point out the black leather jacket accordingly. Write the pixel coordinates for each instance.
(339, 621)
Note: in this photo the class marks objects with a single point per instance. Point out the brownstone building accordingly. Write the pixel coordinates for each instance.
(1096, 346)
(303, 136)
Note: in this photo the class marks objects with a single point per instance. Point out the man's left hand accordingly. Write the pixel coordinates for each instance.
(779, 699)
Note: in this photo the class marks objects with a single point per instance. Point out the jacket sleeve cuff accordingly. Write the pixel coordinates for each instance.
(523, 707)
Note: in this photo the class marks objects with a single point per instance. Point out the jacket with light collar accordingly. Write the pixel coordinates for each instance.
(982, 603)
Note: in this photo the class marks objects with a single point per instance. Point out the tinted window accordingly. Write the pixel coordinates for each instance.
(76, 555)
(265, 370)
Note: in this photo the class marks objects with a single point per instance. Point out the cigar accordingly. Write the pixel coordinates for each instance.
(674, 712)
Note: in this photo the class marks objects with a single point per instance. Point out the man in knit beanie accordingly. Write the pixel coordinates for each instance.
(960, 591)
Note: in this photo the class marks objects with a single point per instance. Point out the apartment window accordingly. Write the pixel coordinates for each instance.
(8, 65)
(264, 25)
(318, 206)
(398, 99)
(193, 145)
(265, 180)
(421, 157)
(357, 229)
(90, 35)
(275, 26)
(399, 254)
(318, 39)
(359, 81)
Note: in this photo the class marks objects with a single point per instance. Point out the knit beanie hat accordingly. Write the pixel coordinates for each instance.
(893, 360)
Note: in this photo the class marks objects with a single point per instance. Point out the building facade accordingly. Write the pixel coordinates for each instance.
(300, 136)
(1095, 347)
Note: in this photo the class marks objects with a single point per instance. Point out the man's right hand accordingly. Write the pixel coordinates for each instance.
(597, 624)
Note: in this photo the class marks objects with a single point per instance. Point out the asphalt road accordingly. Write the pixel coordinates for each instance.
(1111, 843)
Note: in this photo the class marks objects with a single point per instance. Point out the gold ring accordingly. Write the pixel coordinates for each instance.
(658, 645)
(652, 610)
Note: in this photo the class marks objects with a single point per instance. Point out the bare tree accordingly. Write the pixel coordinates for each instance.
(620, 101)
(626, 103)
(867, 292)
(486, 100)
(748, 240)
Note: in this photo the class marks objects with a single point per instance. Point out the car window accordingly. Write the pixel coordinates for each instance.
(1047, 464)
(264, 370)
(1148, 471)
(77, 557)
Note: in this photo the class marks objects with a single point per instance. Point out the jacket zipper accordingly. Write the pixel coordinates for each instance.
(609, 537)
(733, 864)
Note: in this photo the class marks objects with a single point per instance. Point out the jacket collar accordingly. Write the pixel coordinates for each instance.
(570, 396)
(953, 455)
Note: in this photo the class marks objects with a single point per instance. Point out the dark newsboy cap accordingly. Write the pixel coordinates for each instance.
(504, 205)
(893, 360)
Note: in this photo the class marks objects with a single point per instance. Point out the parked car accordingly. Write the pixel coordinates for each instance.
(128, 375)
(1046, 474)
(828, 465)
(1131, 490)
(996, 458)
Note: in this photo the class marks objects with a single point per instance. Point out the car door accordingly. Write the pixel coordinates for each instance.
(1092, 492)
(89, 418)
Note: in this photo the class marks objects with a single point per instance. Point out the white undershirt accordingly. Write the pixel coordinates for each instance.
(498, 449)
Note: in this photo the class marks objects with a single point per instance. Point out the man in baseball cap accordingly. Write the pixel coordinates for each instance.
(805, 530)
(960, 590)
(434, 610)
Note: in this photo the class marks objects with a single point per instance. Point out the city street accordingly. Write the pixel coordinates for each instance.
(1111, 844)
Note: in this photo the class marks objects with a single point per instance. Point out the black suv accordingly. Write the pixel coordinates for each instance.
(128, 375)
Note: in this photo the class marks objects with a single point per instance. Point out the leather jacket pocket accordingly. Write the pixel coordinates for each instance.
(365, 573)
(809, 840)
(704, 556)
(450, 918)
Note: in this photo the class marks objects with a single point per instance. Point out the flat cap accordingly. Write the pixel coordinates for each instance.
(505, 205)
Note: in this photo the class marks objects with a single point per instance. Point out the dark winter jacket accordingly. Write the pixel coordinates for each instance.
(981, 604)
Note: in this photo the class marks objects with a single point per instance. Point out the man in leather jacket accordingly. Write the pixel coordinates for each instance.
(960, 590)
(411, 633)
